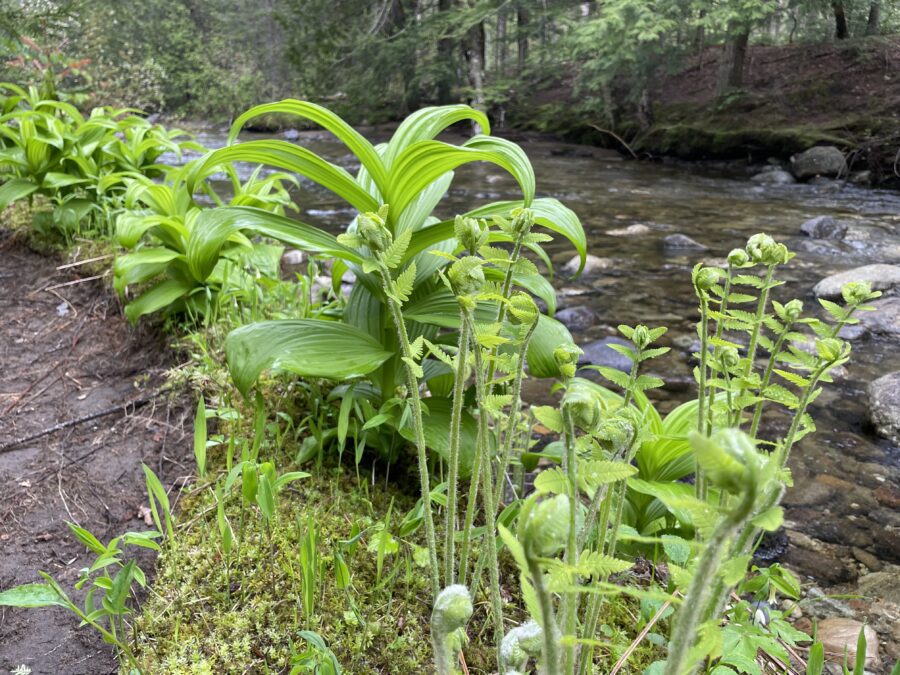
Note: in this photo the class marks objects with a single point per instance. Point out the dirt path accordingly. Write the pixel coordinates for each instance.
(66, 352)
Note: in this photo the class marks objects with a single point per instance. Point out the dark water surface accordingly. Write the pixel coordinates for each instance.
(845, 476)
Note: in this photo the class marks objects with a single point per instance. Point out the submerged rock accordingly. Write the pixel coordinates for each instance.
(598, 353)
(777, 177)
(681, 242)
(824, 227)
(592, 265)
(577, 318)
(822, 160)
(884, 405)
(631, 231)
(881, 277)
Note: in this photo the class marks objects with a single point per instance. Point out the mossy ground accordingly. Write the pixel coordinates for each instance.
(204, 616)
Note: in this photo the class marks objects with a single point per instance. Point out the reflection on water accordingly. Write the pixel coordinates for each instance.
(843, 461)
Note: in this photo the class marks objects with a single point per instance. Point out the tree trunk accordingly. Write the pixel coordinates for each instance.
(396, 24)
(474, 53)
(874, 18)
(445, 51)
(523, 20)
(645, 111)
(700, 34)
(841, 32)
(731, 68)
(500, 45)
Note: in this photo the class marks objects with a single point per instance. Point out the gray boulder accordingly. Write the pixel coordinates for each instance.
(884, 405)
(681, 242)
(777, 177)
(598, 353)
(881, 277)
(885, 320)
(822, 160)
(291, 134)
(577, 318)
(592, 265)
(824, 227)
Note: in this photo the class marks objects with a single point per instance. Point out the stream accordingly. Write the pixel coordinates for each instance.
(843, 510)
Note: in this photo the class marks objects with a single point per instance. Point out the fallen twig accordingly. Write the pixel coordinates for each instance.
(85, 262)
(628, 652)
(122, 407)
(616, 136)
(76, 281)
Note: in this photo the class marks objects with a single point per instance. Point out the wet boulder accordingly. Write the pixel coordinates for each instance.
(885, 320)
(824, 227)
(636, 230)
(884, 405)
(592, 265)
(881, 277)
(577, 318)
(822, 160)
(681, 242)
(598, 353)
(776, 177)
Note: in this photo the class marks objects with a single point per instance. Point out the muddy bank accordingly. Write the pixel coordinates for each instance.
(843, 93)
(66, 352)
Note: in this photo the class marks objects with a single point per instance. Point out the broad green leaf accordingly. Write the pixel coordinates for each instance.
(159, 297)
(548, 335)
(31, 595)
(14, 190)
(307, 347)
(291, 158)
(215, 226)
(355, 142)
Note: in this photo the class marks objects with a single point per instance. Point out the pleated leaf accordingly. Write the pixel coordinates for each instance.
(307, 347)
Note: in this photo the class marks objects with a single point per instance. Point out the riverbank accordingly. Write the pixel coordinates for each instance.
(844, 93)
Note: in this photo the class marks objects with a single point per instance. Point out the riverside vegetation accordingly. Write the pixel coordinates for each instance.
(280, 561)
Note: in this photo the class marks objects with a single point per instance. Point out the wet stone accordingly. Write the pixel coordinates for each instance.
(809, 493)
(822, 160)
(839, 635)
(824, 227)
(681, 242)
(577, 318)
(885, 320)
(881, 277)
(598, 353)
(884, 406)
(592, 265)
(776, 177)
(867, 559)
(635, 230)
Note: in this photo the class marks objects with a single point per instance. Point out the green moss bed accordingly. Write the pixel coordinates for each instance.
(203, 616)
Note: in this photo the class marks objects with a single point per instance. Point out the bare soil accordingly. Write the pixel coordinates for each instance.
(65, 353)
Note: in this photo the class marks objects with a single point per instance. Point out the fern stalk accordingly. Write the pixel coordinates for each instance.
(416, 402)
(455, 427)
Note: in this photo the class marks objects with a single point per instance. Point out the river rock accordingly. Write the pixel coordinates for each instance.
(598, 353)
(577, 318)
(291, 134)
(882, 585)
(292, 257)
(870, 561)
(635, 230)
(881, 277)
(592, 265)
(681, 242)
(885, 320)
(777, 177)
(884, 405)
(824, 227)
(822, 160)
(839, 635)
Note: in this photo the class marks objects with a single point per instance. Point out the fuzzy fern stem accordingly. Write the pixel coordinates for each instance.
(416, 403)
(455, 427)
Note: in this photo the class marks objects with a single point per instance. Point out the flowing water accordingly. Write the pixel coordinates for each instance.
(846, 478)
